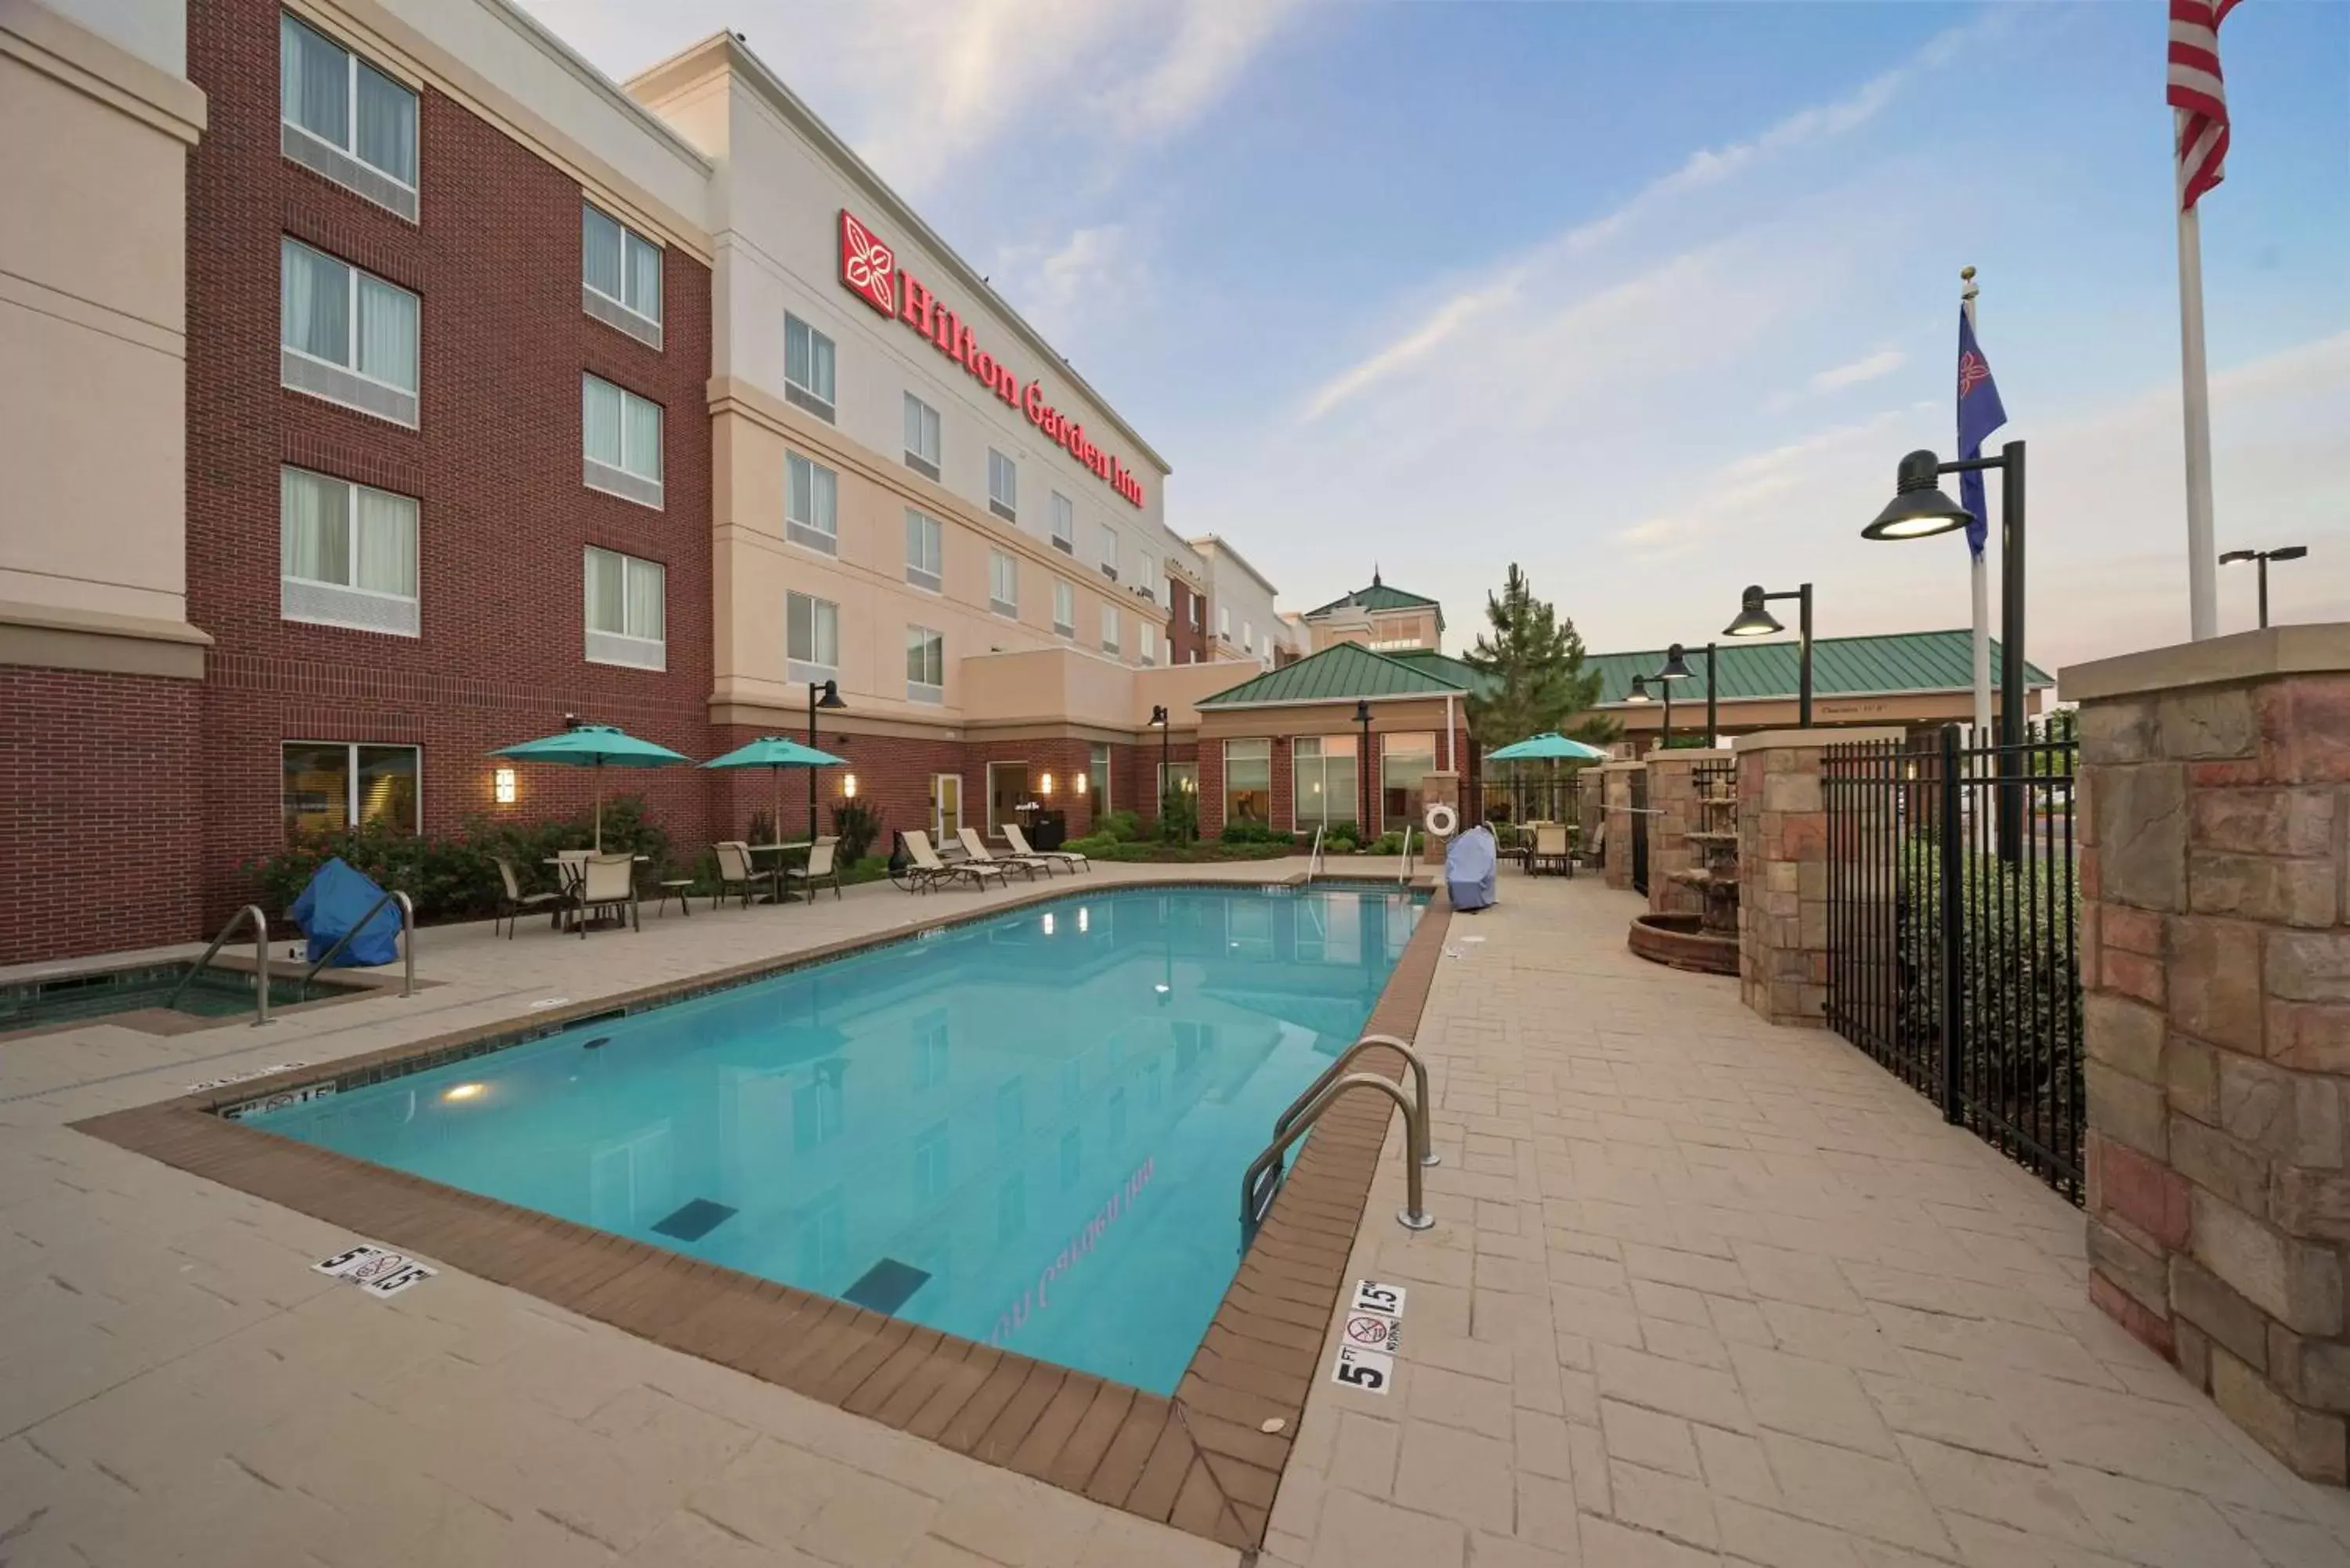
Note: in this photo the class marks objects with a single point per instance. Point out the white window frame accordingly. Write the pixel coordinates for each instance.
(823, 626)
(1224, 622)
(921, 419)
(1105, 549)
(629, 648)
(296, 142)
(403, 405)
(614, 312)
(1198, 612)
(1109, 629)
(1065, 608)
(352, 777)
(926, 561)
(1064, 524)
(1146, 579)
(625, 481)
(1003, 572)
(316, 601)
(820, 529)
(926, 692)
(806, 395)
(1145, 644)
(1004, 485)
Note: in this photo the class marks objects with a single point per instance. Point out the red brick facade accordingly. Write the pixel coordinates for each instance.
(1211, 779)
(502, 517)
(1187, 643)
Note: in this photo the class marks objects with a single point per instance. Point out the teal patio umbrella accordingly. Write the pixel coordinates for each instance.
(597, 746)
(778, 752)
(1548, 746)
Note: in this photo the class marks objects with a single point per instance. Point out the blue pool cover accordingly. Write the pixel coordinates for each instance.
(338, 899)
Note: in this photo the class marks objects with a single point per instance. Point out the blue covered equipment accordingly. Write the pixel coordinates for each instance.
(1469, 864)
(338, 899)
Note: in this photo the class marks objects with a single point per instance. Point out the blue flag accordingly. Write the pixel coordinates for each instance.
(1980, 413)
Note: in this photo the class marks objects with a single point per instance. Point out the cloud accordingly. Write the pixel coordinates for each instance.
(1884, 362)
(1214, 43)
(1060, 287)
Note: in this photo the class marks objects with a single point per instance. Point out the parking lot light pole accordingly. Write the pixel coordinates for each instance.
(2288, 553)
(1753, 620)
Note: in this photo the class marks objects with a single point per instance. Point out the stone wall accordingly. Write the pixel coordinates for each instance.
(1615, 802)
(1589, 808)
(1782, 881)
(2215, 953)
(1672, 801)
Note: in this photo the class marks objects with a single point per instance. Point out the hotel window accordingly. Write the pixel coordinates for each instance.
(345, 335)
(620, 276)
(1404, 759)
(807, 368)
(1064, 609)
(1224, 622)
(620, 440)
(1199, 608)
(1105, 549)
(340, 117)
(1248, 637)
(921, 437)
(1146, 581)
(1109, 629)
(1064, 524)
(1323, 791)
(625, 622)
(926, 665)
(811, 639)
(1146, 643)
(1098, 780)
(811, 505)
(1003, 487)
(347, 553)
(1003, 584)
(329, 786)
(1248, 781)
(925, 567)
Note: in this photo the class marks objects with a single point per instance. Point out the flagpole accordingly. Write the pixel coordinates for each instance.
(1982, 569)
(2202, 566)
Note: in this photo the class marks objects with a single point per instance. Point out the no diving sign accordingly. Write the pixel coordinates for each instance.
(1369, 1338)
(375, 1271)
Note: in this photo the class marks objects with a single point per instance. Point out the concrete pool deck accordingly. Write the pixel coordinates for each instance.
(1698, 1287)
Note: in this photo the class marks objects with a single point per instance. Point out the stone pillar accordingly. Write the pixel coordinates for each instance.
(2215, 957)
(1672, 797)
(1782, 870)
(1436, 789)
(1589, 810)
(1615, 802)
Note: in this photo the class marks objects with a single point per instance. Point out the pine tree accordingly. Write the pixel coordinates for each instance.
(1533, 659)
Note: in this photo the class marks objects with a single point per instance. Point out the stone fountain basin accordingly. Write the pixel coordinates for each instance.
(1680, 941)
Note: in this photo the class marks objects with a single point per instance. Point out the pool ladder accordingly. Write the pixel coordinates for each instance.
(407, 943)
(1263, 1177)
(260, 961)
(1314, 861)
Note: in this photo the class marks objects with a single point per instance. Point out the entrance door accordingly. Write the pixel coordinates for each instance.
(1007, 786)
(946, 807)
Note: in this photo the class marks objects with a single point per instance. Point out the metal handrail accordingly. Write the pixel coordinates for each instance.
(1414, 1216)
(407, 944)
(1423, 1154)
(1313, 862)
(260, 961)
(1403, 870)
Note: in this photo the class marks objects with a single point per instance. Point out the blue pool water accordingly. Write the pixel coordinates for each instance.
(1029, 1131)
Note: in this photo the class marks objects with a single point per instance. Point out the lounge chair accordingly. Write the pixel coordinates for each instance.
(737, 876)
(1018, 839)
(1549, 849)
(821, 867)
(608, 881)
(929, 869)
(513, 903)
(977, 848)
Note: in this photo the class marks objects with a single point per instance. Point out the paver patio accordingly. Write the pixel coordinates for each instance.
(1699, 1286)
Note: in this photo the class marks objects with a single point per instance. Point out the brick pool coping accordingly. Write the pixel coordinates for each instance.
(1199, 1460)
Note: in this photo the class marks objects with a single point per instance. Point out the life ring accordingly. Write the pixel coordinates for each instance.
(1441, 820)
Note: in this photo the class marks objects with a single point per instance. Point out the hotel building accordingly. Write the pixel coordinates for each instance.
(648, 404)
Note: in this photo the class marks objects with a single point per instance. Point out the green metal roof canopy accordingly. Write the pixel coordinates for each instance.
(597, 746)
(1345, 673)
(1548, 746)
(1841, 667)
(1379, 597)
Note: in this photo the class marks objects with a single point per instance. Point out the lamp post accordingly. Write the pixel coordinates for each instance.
(1363, 823)
(1919, 510)
(1676, 667)
(1753, 620)
(2288, 553)
(1159, 722)
(827, 697)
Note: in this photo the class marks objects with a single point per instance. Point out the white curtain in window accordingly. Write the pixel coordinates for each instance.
(599, 420)
(642, 442)
(604, 593)
(645, 579)
(599, 252)
(313, 82)
(387, 125)
(386, 550)
(313, 303)
(387, 333)
(314, 527)
(644, 296)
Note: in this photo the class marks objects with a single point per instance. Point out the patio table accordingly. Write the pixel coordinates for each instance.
(781, 849)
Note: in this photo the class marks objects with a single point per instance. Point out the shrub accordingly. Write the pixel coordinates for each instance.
(762, 827)
(1094, 845)
(1179, 818)
(1387, 842)
(1120, 826)
(1253, 832)
(858, 826)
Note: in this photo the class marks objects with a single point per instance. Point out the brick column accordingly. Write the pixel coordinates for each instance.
(2215, 956)
(1672, 796)
(1436, 789)
(1616, 801)
(1782, 870)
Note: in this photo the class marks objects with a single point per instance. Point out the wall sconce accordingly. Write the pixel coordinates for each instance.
(848, 786)
(501, 785)
(1078, 782)
(1045, 784)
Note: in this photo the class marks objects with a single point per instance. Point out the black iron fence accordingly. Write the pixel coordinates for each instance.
(1953, 921)
(1638, 778)
(1540, 794)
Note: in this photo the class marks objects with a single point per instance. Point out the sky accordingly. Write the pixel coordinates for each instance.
(1648, 298)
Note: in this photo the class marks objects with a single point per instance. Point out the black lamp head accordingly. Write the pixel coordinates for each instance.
(1676, 667)
(1158, 718)
(830, 697)
(1753, 618)
(1640, 692)
(2290, 553)
(1362, 710)
(1919, 508)
(2229, 557)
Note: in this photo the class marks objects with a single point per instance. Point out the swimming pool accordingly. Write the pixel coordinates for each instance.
(1027, 1130)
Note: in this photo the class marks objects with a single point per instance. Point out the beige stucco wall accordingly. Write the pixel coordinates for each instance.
(93, 312)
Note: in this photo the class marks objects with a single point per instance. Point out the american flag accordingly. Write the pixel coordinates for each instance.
(2199, 94)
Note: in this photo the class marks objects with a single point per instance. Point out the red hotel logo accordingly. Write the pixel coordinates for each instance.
(868, 269)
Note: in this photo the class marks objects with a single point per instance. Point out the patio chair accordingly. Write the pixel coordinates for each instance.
(608, 882)
(1017, 837)
(821, 867)
(1550, 847)
(975, 847)
(737, 876)
(929, 869)
(513, 903)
